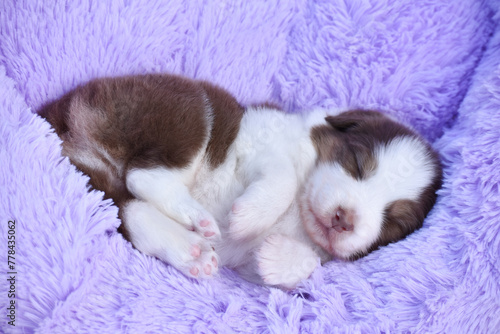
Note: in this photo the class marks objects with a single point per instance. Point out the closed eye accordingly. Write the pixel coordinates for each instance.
(359, 168)
(353, 165)
(365, 163)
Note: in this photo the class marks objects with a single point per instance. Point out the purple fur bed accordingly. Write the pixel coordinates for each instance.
(434, 64)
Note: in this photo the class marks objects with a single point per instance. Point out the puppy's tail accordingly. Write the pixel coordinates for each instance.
(57, 113)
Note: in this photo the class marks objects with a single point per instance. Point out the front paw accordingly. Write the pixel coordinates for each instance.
(247, 219)
(206, 226)
(285, 262)
(196, 218)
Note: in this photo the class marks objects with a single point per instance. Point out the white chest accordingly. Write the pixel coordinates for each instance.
(261, 147)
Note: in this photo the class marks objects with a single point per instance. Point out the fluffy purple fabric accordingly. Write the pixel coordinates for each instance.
(434, 64)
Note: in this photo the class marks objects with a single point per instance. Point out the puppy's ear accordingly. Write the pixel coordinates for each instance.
(342, 122)
(351, 119)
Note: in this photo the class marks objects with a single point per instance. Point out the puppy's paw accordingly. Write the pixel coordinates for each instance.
(155, 234)
(196, 218)
(285, 262)
(194, 256)
(206, 225)
(242, 220)
(247, 219)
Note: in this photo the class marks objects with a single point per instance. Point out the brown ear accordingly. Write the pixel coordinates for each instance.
(351, 119)
(342, 122)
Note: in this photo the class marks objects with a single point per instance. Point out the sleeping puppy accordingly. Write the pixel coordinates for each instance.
(202, 182)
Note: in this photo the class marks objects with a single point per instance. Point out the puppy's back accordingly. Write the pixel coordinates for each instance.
(112, 125)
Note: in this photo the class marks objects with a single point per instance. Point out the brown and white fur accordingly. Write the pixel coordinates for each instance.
(203, 182)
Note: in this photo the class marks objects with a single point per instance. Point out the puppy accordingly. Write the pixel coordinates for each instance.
(202, 182)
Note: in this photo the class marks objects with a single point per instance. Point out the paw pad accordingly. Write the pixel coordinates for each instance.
(194, 271)
(196, 251)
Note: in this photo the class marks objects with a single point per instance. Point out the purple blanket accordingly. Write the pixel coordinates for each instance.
(434, 64)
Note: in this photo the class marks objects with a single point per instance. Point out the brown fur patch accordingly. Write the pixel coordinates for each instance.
(150, 120)
(351, 138)
(327, 144)
(403, 217)
(113, 124)
(227, 115)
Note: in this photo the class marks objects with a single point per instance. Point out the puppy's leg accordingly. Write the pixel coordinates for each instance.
(165, 189)
(285, 262)
(155, 234)
(268, 196)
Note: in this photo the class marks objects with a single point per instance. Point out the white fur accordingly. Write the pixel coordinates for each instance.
(155, 234)
(165, 200)
(285, 261)
(274, 154)
(165, 189)
(403, 169)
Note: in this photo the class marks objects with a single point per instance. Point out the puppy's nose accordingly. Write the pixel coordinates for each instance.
(343, 220)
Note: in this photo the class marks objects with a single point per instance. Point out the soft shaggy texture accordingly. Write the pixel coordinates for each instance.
(434, 64)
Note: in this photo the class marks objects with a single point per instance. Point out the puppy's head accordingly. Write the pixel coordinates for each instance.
(374, 183)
